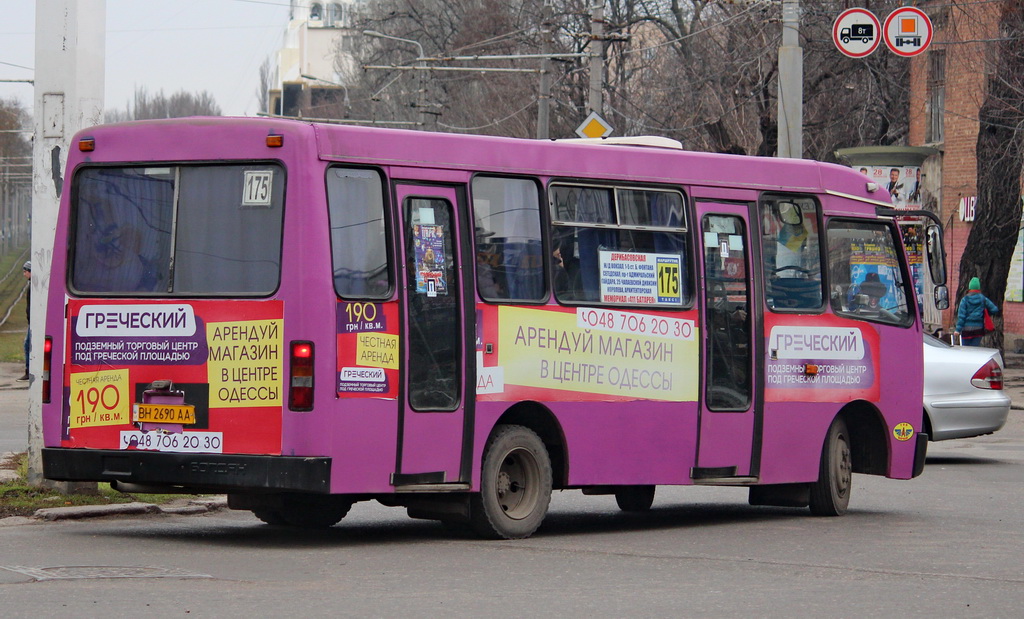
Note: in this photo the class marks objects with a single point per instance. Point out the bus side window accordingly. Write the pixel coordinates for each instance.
(864, 271)
(509, 254)
(594, 227)
(792, 259)
(359, 248)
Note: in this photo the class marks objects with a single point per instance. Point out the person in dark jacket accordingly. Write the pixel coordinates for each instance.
(970, 315)
(26, 270)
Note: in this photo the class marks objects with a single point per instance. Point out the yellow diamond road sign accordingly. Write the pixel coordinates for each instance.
(594, 127)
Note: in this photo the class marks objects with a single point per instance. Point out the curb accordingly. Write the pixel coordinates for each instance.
(7, 467)
(79, 512)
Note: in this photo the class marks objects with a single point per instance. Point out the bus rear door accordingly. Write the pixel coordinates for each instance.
(433, 437)
(729, 432)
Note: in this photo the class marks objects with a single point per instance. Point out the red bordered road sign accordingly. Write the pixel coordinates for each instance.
(856, 32)
(907, 31)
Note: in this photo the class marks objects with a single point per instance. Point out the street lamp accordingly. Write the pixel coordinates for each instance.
(320, 79)
(420, 61)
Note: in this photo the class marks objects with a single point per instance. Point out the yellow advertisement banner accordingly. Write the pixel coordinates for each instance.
(100, 399)
(617, 353)
(377, 350)
(245, 363)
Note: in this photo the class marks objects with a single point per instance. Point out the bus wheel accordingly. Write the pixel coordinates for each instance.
(635, 498)
(270, 516)
(830, 495)
(515, 485)
(314, 514)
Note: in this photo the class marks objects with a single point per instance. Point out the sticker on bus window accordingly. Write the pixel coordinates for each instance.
(430, 260)
(257, 189)
(640, 278)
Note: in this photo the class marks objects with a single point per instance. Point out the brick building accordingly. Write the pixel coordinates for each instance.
(947, 87)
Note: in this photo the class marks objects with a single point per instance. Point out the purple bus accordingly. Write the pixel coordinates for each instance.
(303, 316)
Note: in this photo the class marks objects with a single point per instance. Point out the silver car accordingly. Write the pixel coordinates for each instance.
(963, 390)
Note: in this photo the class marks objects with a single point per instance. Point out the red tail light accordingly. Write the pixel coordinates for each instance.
(990, 376)
(47, 356)
(300, 384)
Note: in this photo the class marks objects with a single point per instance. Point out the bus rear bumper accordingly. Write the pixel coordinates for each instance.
(191, 472)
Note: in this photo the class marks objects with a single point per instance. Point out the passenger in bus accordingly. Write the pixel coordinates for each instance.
(486, 276)
(868, 294)
(559, 276)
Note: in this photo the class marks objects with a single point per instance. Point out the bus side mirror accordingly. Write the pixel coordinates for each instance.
(790, 214)
(941, 297)
(936, 259)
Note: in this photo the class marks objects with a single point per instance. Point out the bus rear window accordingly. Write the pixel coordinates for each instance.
(177, 230)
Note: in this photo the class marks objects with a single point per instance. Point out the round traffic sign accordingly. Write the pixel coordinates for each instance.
(856, 32)
(907, 31)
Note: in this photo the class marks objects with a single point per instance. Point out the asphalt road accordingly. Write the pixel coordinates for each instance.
(947, 544)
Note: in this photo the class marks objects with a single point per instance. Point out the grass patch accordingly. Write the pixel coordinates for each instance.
(17, 498)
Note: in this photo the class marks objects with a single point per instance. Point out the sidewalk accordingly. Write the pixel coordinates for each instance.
(9, 375)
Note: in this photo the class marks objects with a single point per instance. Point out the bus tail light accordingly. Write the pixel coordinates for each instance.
(990, 376)
(300, 383)
(47, 356)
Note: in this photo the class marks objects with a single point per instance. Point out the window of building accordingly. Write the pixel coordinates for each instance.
(936, 107)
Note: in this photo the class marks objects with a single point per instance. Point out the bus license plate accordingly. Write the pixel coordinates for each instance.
(164, 413)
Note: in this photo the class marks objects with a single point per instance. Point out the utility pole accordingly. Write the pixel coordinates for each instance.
(596, 56)
(421, 65)
(791, 86)
(70, 44)
(544, 96)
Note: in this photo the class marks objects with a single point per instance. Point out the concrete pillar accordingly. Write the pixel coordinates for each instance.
(69, 71)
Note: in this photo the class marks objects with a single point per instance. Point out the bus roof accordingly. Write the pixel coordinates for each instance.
(215, 138)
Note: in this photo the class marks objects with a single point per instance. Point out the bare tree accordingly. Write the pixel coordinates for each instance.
(1000, 155)
(263, 88)
(182, 103)
(15, 176)
(701, 71)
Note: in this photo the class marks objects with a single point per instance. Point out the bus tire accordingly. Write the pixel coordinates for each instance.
(270, 516)
(830, 495)
(635, 498)
(314, 514)
(515, 485)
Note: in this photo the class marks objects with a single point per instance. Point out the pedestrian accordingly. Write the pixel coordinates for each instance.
(26, 270)
(970, 315)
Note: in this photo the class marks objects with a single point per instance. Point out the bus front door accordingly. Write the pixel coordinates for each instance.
(729, 429)
(432, 435)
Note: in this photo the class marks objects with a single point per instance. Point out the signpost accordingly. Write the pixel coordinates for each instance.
(593, 126)
(907, 31)
(856, 32)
